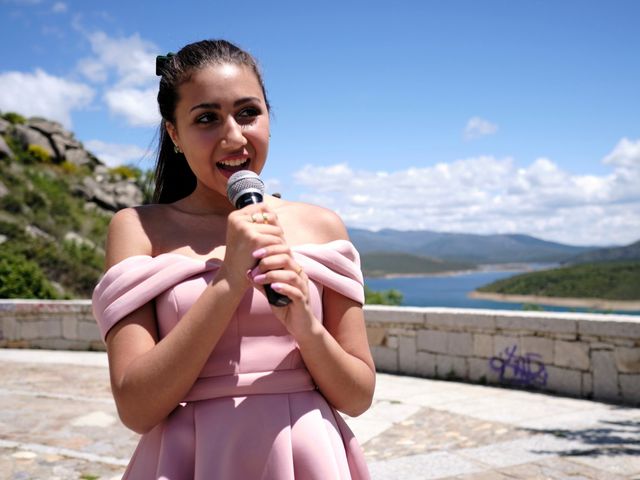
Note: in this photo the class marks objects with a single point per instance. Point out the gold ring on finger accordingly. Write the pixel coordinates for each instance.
(265, 217)
(299, 270)
(253, 218)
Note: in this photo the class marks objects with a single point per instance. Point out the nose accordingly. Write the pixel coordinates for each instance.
(232, 134)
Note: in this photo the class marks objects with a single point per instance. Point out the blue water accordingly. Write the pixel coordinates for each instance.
(452, 291)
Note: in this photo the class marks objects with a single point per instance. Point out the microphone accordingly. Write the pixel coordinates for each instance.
(246, 188)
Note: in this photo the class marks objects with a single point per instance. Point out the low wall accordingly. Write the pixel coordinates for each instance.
(49, 324)
(584, 355)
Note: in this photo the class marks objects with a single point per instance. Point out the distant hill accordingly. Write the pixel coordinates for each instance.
(375, 264)
(626, 253)
(605, 280)
(465, 247)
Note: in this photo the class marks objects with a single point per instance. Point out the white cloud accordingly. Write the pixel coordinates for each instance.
(138, 106)
(116, 154)
(59, 7)
(489, 195)
(126, 67)
(479, 127)
(41, 94)
(625, 154)
(131, 59)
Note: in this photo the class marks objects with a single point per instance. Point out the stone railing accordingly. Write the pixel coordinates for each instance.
(55, 325)
(578, 354)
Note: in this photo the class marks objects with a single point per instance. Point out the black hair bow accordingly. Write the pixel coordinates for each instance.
(162, 61)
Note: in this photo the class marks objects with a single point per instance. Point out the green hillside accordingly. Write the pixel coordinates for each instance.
(606, 280)
(376, 264)
(55, 207)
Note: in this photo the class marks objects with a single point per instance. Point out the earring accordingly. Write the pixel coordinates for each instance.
(176, 149)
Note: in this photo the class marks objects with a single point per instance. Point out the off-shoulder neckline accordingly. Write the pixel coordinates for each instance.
(219, 260)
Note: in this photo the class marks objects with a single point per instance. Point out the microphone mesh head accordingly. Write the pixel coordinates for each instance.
(244, 181)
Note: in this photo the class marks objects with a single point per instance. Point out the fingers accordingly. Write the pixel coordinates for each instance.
(259, 217)
(277, 265)
(293, 277)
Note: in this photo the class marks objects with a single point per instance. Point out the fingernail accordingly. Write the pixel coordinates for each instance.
(259, 253)
(259, 278)
(276, 286)
(254, 272)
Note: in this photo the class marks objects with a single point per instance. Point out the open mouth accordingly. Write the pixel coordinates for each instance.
(229, 167)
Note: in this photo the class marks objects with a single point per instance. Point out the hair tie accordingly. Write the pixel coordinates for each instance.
(161, 63)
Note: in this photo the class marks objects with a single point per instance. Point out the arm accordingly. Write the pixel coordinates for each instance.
(150, 377)
(335, 349)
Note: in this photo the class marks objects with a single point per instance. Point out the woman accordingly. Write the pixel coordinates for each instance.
(221, 384)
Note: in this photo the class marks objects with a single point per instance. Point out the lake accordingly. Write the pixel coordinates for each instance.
(452, 290)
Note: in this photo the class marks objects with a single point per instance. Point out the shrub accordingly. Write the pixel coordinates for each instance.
(69, 167)
(382, 297)
(11, 204)
(39, 154)
(14, 118)
(22, 278)
(126, 171)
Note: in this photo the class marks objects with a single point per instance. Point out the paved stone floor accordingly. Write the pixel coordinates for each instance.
(58, 421)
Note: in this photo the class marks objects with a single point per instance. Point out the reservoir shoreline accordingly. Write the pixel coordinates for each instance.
(592, 303)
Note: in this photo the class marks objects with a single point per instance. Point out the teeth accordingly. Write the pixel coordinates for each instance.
(233, 163)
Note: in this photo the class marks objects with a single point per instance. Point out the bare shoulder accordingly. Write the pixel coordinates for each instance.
(319, 224)
(129, 233)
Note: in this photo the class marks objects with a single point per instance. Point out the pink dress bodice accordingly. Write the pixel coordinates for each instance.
(255, 371)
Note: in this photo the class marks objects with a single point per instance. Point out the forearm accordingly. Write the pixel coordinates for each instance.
(345, 380)
(154, 382)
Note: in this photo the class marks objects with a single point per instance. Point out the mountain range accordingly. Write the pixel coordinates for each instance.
(466, 247)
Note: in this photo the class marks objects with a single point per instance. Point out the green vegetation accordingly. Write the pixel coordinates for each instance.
(14, 118)
(22, 278)
(36, 214)
(127, 171)
(39, 153)
(382, 297)
(377, 264)
(606, 280)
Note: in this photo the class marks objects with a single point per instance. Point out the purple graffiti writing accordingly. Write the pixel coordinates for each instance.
(527, 369)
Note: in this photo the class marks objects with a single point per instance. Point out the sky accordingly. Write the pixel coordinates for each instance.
(455, 116)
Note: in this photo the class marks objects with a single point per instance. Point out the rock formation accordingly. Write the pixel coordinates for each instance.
(110, 192)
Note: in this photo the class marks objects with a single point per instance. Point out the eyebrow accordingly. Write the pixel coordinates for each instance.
(216, 106)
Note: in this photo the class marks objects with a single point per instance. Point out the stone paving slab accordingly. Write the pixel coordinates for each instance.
(58, 421)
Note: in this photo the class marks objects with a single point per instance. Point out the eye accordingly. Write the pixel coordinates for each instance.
(207, 118)
(248, 115)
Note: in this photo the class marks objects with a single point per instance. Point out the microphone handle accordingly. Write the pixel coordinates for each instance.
(274, 298)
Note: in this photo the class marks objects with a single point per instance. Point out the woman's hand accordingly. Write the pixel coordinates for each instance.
(249, 229)
(278, 268)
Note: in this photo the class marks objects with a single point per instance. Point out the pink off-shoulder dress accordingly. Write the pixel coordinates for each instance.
(254, 412)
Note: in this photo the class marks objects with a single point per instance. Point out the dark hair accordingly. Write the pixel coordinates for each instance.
(173, 177)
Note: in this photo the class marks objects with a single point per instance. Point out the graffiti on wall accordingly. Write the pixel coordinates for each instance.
(527, 370)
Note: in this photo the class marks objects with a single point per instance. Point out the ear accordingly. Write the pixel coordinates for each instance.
(173, 132)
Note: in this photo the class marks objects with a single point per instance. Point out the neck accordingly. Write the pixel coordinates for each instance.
(205, 202)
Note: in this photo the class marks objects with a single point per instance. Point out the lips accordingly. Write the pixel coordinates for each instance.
(229, 166)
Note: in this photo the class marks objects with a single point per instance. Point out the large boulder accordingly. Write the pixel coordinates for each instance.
(28, 136)
(5, 151)
(78, 156)
(4, 191)
(47, 127)
(127, 194)
(5, 126)
(93, 191)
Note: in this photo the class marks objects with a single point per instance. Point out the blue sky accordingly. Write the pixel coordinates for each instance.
(467, 116)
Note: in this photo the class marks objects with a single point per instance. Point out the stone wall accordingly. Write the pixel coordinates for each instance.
(584, 355)
(578, 354)
(56, 325)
